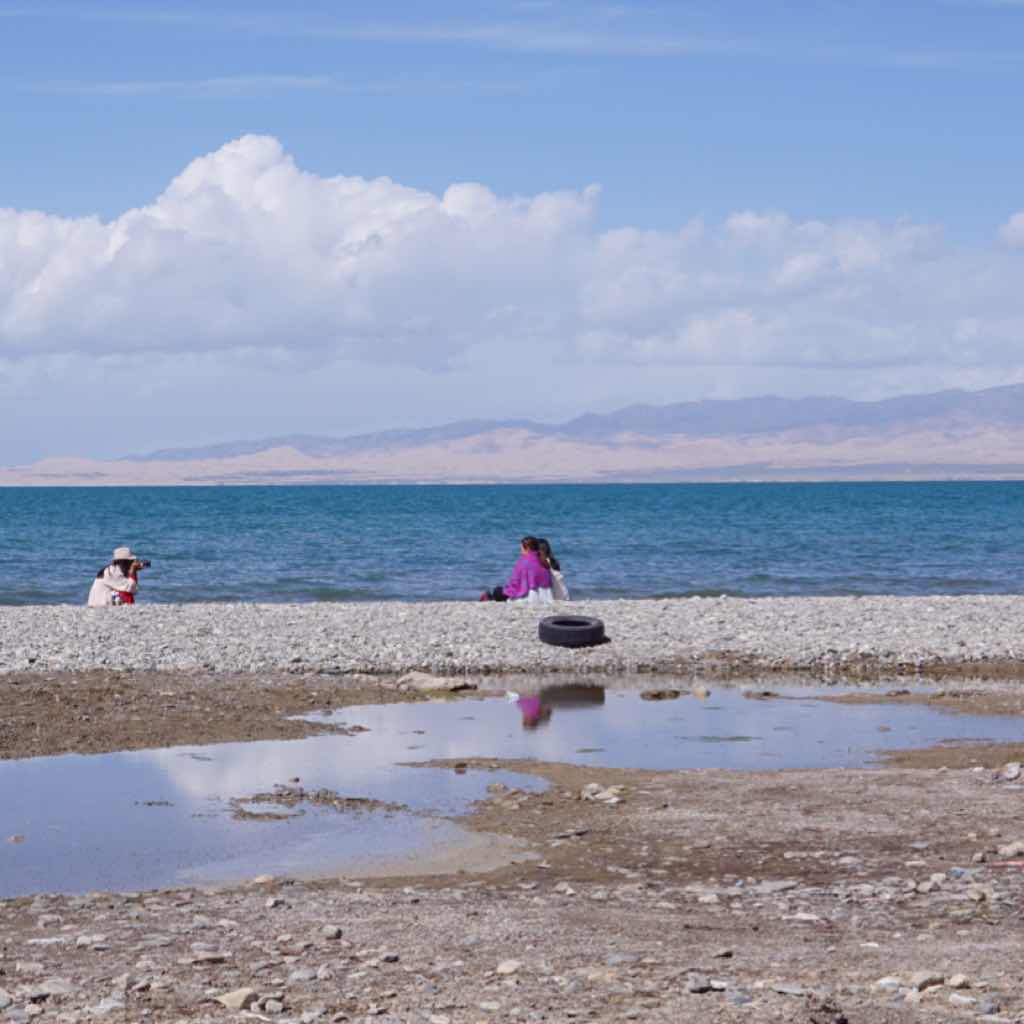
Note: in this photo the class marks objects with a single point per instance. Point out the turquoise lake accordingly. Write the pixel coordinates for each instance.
(435, 542)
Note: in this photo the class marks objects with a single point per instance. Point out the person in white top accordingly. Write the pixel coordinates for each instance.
(118, 582)
(559, 588)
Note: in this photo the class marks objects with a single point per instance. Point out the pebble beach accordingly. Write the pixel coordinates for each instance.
(857, 635)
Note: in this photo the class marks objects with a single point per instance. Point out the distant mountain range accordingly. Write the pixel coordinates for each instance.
(977, 434)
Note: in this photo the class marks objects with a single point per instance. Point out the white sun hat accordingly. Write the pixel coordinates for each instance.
(124, 555)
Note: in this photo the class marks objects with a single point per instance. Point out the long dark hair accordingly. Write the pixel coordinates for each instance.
(124, 564)
(546, 556)
(530, 543)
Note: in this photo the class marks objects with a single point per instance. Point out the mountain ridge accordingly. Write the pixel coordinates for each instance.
(706, 418)
(954, 434)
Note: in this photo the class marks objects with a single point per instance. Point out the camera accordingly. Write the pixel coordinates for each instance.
(144, 563)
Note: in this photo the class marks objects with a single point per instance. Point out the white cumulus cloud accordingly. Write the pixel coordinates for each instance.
(249, 260)
(1012, 232)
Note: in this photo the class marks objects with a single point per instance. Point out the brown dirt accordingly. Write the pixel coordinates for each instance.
(96, 712)
(795, 890)
(967, 699)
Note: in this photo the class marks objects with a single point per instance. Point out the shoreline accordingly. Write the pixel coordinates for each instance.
(718, 637)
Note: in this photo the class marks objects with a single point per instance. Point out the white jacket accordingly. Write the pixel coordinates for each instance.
(103, 592)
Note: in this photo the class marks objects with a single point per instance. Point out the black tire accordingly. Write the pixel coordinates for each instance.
(571, 631)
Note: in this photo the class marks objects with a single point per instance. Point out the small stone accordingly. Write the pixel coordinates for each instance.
(958, 981)
(956, 999)
(301, 975)
(6, 999)
(698, 984)
(1011, 771)
(926, 979)
(50, 987)
(439, 1018)
(263, 880)
(205, 959)
(508, 966)
(786, 989)
(771, 888)
(239, 999)
(890, 983)
(273, 1006)
(112, 1004)
(423, 682)
(273, 901)
(330, 931)
(739, 997)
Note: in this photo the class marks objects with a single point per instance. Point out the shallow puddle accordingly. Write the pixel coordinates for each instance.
(619, 729)
(188, 815)
(160, 818)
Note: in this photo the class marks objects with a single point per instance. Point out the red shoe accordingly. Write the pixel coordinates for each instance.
(485, 596)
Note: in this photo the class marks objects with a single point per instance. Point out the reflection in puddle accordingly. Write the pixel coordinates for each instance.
(166, 817)
(150, 819)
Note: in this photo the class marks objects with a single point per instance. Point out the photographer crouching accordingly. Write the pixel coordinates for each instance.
(118, 582)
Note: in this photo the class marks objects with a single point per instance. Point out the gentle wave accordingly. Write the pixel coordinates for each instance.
(307, 544)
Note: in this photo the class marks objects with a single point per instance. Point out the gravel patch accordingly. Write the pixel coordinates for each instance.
(842, 635)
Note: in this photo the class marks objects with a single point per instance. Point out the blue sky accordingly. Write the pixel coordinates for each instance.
(838, 113)
(824, 109)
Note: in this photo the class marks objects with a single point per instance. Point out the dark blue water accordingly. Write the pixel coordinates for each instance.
(425, 542)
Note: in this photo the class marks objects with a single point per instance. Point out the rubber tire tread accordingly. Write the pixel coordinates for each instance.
(571, 631)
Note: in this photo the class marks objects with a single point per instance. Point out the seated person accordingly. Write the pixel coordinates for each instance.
(559, 588)
(530, 579)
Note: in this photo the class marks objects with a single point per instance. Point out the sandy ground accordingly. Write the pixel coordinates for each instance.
(698, 896)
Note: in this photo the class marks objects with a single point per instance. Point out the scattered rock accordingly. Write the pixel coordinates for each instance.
(771, 888)
(926, 979)
(50, 987)
(239, 999)
(508, 967)
(786, 989)
(423, 682)
(958, 999)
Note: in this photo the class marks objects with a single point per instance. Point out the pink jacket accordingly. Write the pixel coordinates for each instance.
(527, 574)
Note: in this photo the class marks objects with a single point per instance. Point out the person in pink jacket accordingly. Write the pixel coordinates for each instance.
(529, 575)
